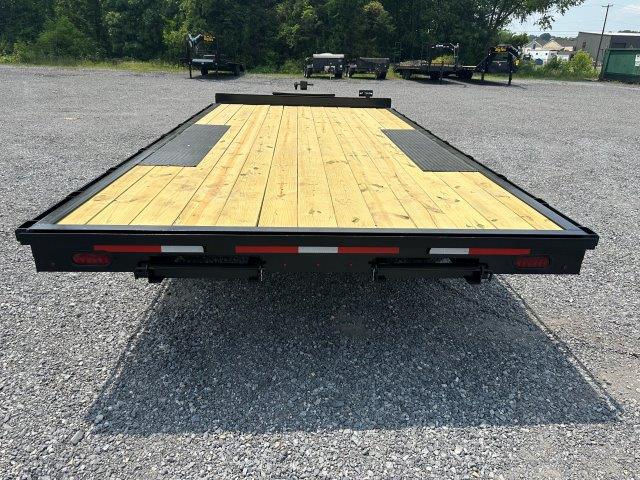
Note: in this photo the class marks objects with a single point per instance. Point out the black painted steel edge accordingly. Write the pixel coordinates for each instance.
(303, 100)
(534, 202)
(316, 237)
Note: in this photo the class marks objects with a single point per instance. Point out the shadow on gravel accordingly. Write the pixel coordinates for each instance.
(319, 353)
(454, 81)
(212, 77)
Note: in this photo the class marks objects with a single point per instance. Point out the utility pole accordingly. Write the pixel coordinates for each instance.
(604, 25)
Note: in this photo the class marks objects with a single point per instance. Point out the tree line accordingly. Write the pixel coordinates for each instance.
(262, 33)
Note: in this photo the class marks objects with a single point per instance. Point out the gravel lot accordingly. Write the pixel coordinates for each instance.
(104, 376)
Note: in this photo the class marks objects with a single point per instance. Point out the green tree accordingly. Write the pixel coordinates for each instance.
(22, 21)
(134, 27)
(376, 30)
(299, 26)
(61, 39)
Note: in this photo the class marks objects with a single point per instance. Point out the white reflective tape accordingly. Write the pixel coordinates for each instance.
(317, 249)
(449, 251)
(181, 249)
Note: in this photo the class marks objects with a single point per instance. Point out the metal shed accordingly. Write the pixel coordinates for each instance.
(621, 64)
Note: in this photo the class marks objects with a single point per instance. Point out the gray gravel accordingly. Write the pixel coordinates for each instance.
(317, 376)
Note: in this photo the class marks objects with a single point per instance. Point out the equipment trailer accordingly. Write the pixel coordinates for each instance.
(377, 66)
(206, 50)
(499, 59)
(436, 70)
(332, 64)
(304, 183)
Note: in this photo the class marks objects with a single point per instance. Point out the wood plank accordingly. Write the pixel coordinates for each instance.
(348, 203)
(385, 208)
(130, 203)
(280, 204)
(212, 114)
(387, 119)
(315, 206)
(435, 208)
(228, 116)
(489, 207)
(406, 170)
(99, 201)
(420, 207)
(207, 203)
(529, 214)
(245, 200)
(238, 118)
(463, 215)
(165, 208)
(459, 212)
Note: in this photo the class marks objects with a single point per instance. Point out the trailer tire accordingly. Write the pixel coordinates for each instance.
(464, 75)
(434, 76)
(204, 71)
(406, 74)
(337, 76)
(381, 76)
(236, 70)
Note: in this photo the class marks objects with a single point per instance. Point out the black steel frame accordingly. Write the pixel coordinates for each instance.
(53, 245)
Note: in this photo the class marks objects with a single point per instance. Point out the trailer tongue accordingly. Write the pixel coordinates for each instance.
(300, 183)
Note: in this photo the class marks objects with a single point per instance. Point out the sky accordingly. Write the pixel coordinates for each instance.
(588, 17)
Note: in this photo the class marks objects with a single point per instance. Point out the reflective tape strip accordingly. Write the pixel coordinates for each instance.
(449, 251)
(322, 250)
(480, 251)
(182, 249)
(267, 249)
(149, 248)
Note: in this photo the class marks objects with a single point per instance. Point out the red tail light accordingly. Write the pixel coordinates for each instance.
(91, 259)
(533, 262)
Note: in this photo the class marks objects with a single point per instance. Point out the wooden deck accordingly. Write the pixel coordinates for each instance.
(306, 167)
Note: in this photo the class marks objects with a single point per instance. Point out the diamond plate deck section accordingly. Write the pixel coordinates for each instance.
(188, 148)
(427, 153)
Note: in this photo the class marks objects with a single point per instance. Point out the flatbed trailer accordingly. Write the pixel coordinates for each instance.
(256, 184)
(435, 71)
(499, 59)
(364, 65)
(210, 63)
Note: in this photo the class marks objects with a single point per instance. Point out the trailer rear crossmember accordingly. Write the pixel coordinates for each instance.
(298, 183)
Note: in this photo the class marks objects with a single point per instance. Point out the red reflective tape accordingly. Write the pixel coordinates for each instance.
(265, 249)
(128, 248)
(370, 250)
(499, 251)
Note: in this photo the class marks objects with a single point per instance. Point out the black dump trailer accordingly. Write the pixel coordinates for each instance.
(203, 53)
(256, 184)
(363, 65)
(449, 65)
(332, 64)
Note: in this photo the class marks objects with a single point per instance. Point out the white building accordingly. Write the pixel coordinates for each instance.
(541, 57)
(532, 45)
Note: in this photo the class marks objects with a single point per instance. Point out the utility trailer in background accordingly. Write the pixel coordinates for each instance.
(332, 64)
(203, 53)
(434, 69)
(362, 65)
(499, 59)
(258, 184)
